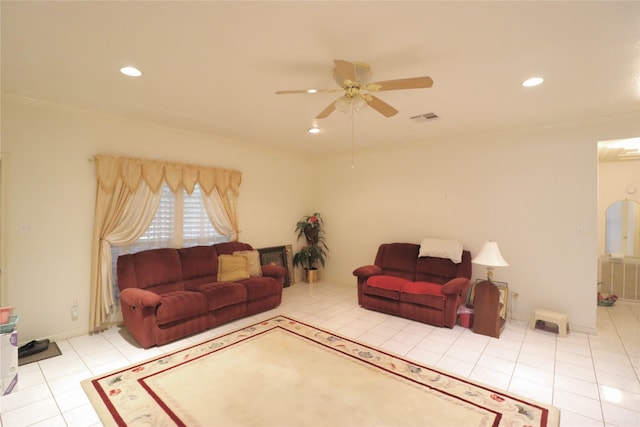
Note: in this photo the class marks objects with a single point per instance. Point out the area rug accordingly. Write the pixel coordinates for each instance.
(282, 372)
(52, 351)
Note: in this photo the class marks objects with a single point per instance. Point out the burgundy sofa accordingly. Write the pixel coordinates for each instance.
(426, 289)
(167, 294)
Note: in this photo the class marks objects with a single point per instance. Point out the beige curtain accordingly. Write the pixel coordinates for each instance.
(217, 213)
(128, 194)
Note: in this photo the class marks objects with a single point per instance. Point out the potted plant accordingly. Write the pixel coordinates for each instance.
(311, 227)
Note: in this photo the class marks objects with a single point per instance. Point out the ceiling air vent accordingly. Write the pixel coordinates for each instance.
(424, 117)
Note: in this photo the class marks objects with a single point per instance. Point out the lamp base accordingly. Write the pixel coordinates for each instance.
(490, 273)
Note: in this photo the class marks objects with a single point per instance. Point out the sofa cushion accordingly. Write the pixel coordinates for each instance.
(253, 261)
(261, 287)
(156, 267)
(180, 305)
(435, 270)
(198, 261)
(223, 294)
(398, 259)
(229, 248)
(385, 286)
(232, 268)
(423, 293)
(191, 284)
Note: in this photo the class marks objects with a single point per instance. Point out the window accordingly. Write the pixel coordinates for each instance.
(180, 221)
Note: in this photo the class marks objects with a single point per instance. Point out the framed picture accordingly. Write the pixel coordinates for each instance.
(504, 300)
(503, 287)
(279, 255)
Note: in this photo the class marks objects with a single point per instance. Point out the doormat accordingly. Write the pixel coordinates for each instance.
(51, 351)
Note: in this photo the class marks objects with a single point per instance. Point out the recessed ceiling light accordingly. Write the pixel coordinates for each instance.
(312, 91)
(314, 130)
(131, 71)
(533, 81)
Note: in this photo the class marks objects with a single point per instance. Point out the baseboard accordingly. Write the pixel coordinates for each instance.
(58, 337)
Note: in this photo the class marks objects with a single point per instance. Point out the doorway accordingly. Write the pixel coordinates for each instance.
(619, 187)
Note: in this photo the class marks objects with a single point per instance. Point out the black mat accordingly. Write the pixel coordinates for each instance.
(51, 351)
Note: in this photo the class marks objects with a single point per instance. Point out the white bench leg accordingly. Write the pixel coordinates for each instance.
(562, 328)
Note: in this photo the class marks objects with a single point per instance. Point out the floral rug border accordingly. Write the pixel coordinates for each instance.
(124, 390)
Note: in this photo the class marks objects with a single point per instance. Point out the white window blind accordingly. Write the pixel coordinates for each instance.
(196, 227)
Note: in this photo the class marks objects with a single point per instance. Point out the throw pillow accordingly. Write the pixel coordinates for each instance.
(253, 260)
(232, 268)
(437, 248)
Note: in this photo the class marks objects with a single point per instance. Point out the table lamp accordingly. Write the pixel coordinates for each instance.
(491, 257)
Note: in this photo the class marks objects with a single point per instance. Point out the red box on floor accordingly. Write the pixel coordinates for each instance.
(465, 314)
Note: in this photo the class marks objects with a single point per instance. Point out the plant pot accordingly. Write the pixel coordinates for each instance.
(311, 275)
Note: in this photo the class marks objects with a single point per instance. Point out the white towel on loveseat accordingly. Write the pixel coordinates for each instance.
(438, 248)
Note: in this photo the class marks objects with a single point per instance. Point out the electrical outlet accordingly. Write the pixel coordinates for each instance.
(74, 311)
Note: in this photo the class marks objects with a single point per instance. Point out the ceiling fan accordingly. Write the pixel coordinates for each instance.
(353, 79)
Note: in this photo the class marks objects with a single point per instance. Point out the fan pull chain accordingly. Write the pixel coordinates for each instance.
(353, 132)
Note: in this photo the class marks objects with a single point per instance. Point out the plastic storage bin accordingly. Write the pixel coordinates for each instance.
(9, 326)
(8, 362)
(465, 314)
(5, 312)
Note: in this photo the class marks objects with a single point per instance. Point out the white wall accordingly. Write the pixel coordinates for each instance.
(51, 189)
(532, 191)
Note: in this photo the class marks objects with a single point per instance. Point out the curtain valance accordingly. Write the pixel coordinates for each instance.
(132, 171)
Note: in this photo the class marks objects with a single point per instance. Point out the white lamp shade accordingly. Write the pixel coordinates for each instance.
(490, 256)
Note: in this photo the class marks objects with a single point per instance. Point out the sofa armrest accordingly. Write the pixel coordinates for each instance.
(140, 298)
(275, 271)
(367, 271)
(457, 286)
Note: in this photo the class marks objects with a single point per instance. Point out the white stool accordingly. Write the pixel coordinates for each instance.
(560, 319)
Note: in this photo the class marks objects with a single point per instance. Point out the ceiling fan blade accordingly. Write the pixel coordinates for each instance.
(410, 83)
(310, 91)
(288, 92)
(363, 72)
(325, 113)
(344, 70)
(381, 106)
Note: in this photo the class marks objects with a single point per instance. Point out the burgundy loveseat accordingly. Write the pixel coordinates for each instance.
(167, 294)
(423, 288)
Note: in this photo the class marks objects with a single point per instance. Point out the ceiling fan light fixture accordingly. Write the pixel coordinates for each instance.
(343, 104)
(131, 71)
(348, 104)
(314, 130)
(533, 81)
(312, 90)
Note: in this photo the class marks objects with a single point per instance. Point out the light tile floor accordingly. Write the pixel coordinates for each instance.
(593, 379)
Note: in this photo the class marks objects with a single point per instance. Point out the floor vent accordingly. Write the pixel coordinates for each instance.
(424, 117)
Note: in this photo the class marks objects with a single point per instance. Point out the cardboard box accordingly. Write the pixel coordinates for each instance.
(8, 362)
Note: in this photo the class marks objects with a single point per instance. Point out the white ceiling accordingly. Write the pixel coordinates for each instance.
(214, 66)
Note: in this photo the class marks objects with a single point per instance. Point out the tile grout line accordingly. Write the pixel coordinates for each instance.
(593, 362)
